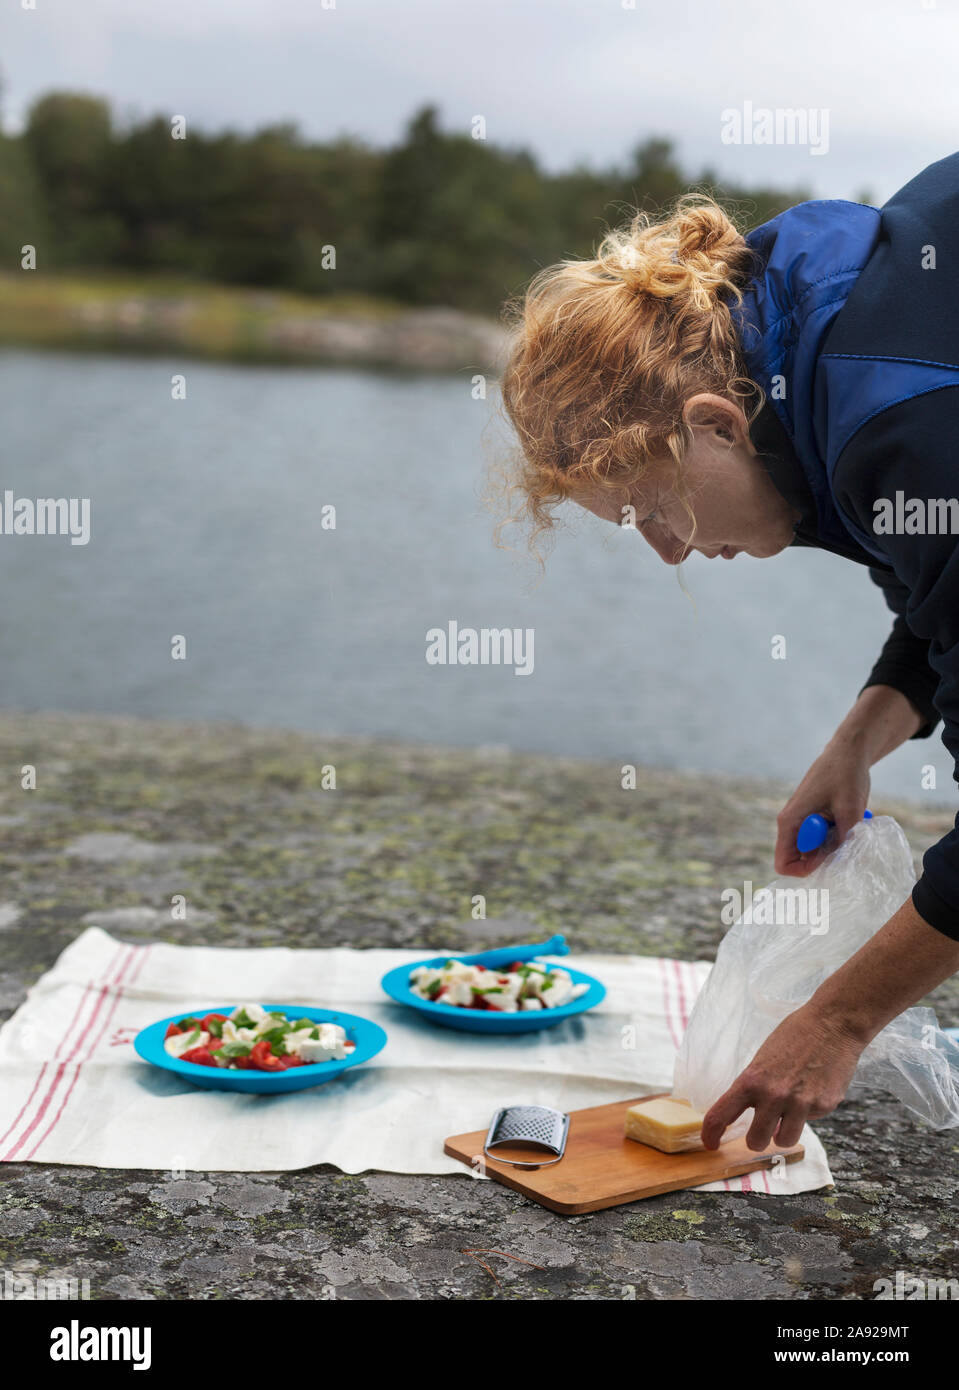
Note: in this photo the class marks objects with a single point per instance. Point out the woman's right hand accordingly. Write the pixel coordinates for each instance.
(837, 787)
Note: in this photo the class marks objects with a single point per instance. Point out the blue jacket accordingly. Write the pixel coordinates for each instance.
(851, 327)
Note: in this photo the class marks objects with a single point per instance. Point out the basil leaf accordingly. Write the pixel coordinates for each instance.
(274, 1035)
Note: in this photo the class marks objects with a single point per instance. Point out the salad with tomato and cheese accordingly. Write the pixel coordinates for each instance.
(250, 1039)
(522, 986)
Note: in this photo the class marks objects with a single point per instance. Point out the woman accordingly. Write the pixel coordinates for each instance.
(796, 386)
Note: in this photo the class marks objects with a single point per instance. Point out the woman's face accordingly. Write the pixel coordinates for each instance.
(737, 507)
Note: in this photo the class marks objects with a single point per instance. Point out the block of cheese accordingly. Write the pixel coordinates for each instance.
(665, 1123)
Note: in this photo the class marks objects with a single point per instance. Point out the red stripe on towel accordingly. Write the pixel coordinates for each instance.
(60, 1045)
(667, 1004)
(61, 1068)
(683, 1011)
(138, 953)
(36, 1086)
(692, 980)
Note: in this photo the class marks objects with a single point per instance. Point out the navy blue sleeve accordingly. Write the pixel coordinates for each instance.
(904, 660)
(913, 449)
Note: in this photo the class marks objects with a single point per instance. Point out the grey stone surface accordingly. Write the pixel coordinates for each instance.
(111, 848)
(392, 857)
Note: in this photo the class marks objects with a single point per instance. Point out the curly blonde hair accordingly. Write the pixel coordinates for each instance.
(606, 352)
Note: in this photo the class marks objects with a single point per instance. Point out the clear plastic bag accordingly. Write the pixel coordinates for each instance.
(765, 969)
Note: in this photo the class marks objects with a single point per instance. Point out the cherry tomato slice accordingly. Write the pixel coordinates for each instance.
(263, 1058)
(201, 1055)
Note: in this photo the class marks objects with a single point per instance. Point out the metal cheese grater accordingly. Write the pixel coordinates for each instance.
(528, 1124)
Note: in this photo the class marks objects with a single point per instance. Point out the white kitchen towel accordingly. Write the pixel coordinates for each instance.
(72, 1089)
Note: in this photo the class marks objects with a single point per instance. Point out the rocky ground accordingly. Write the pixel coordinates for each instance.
(126, 813)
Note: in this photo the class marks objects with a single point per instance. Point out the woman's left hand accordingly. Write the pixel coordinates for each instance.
(800, 1073)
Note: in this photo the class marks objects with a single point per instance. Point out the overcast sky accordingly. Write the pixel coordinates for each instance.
(570, 79)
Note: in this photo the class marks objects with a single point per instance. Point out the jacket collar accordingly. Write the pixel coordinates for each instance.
(781, 462)
(807, 261)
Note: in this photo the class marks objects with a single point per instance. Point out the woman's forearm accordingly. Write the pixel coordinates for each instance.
(881, 719)
(907, 957)
(804, 1067)
(898, 966)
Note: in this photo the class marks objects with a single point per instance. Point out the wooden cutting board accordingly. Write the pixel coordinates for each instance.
(601, 1168)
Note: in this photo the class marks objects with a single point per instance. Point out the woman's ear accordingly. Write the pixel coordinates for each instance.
(708, 411)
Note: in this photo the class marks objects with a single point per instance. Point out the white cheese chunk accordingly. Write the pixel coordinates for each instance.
(330, 1046)
(294, 1041)
(254, 1011)
(178, 1043)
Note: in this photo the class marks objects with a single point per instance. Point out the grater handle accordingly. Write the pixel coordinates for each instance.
(505, 955)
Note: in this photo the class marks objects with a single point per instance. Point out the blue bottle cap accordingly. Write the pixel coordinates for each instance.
(812, 833)
(814, 830)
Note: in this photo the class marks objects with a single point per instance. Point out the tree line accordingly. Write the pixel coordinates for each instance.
(437, 218)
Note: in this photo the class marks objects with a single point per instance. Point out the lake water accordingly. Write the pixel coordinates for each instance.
(206, 522)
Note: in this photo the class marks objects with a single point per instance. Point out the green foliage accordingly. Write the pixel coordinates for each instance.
(68, 141)
(24, 215)
(439, 218)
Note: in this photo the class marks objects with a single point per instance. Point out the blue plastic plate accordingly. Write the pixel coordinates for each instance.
(369, 1038)
(397, 985)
